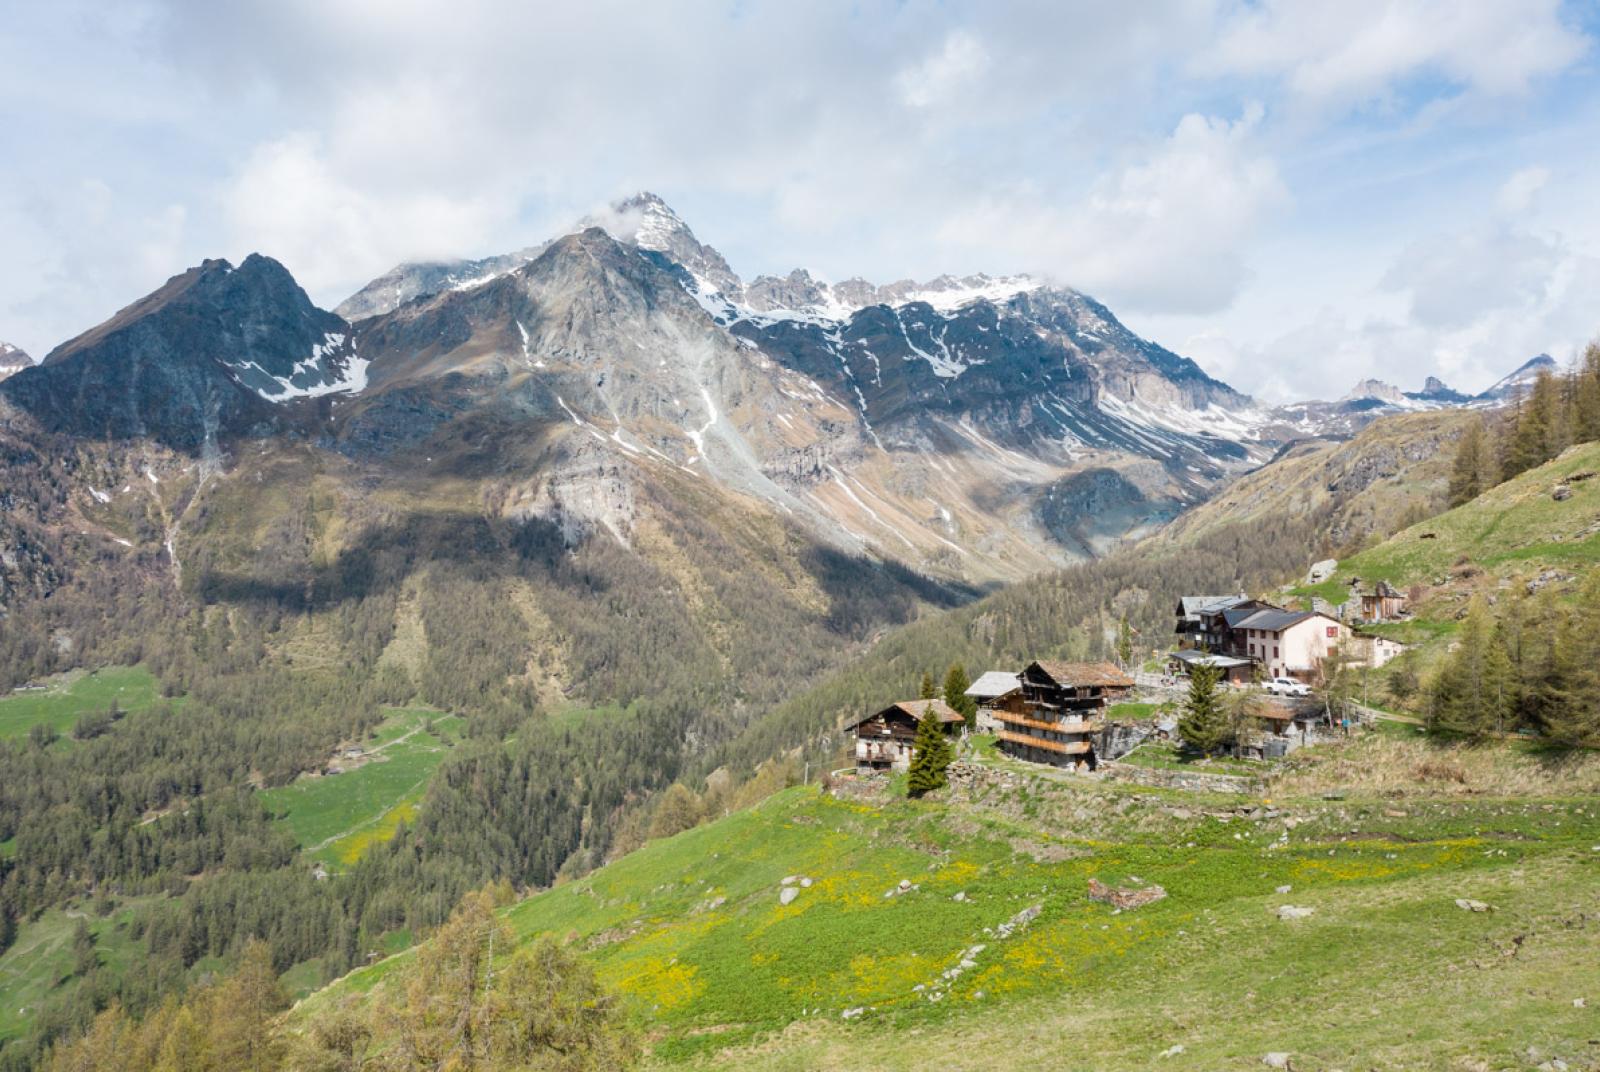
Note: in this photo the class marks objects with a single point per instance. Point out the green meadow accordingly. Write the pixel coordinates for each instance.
(337, 817)
(995, 956)
(67, 697)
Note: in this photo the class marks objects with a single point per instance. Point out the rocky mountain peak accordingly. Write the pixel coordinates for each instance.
(1433, 385)
(195, 360)
(12, 360)
(1370, 388)
(1520, 378)
(646, 221)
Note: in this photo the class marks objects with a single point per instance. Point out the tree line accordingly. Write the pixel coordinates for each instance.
(1552, 415)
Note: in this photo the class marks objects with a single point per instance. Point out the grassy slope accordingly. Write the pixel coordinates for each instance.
(41, 960)
(1388, 969)
(1395, 469)
(1505, 536)
(335, 818)
(71, 695)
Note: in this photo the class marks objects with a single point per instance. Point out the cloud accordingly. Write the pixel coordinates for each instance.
(1519, 191)
(1356, 51)
(1167, 233)
(946, 74)
(1456, 279)
(289, 202)
(885, 138)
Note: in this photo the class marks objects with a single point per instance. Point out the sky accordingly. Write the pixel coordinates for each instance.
(1298, 195)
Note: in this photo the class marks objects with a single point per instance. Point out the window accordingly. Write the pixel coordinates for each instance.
(1333, 632)
(1274, 651)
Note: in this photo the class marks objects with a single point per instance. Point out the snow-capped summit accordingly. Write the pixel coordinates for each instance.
(646, 221)
(12, 360)
(1521, 379)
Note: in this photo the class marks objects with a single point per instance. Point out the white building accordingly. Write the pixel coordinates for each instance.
(1290, 643)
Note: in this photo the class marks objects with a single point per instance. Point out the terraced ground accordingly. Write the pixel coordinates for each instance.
(995, 957)
(67, 697)
(338, 817)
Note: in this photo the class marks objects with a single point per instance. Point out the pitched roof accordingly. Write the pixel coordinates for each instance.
(1192, 605)
(914, 709)
(1193, 657)
(1079, 675)
(993, 684)
(1276, 620)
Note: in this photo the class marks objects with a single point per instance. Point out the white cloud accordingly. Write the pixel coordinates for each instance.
(1167, 233)
(288, 201)
(947, 74)
(1518, 193)
(1358, 50)
(880, 137)
(1454, 280)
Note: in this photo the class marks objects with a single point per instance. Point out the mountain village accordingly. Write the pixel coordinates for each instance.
(1072, 715)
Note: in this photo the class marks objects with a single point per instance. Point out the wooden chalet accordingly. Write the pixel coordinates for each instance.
(884, 739)
(1063, 708)
(1382, 604)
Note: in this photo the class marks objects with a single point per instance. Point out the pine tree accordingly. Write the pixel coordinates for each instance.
(1471, 475)
(1125, 643)
(1586, 397)
(926, 692)
(1474, 693)
(955, 694)
(1203, 724)
(1537, 430)
(930, 755)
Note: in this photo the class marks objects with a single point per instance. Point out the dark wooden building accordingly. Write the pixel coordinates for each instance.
(1063, 708)
(884, 739)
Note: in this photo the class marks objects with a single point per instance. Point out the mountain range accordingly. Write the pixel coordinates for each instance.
(974, 429)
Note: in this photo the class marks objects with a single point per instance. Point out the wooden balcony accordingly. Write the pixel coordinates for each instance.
(1080, 725)
(1066, 748)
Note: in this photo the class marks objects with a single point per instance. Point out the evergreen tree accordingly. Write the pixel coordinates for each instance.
(930, 755)
(926, 690)
(1124, 643)
(1586, 397)
(1472, 473)
(955, 694)
(1538, 425)
(1203, 725)
(1474, 692)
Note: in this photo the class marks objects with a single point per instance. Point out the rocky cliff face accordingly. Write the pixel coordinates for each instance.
(203, 358)
(930, 432)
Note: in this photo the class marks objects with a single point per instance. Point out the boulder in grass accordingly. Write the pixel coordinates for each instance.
(1467, 904)
(1124, 898)
(1290, 911)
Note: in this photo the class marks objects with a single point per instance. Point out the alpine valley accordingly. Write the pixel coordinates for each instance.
(519, 547)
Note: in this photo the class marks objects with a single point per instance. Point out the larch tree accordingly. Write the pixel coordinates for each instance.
(1472, 473)
(1474, 692)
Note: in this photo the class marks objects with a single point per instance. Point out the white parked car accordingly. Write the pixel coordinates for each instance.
(1288, 686)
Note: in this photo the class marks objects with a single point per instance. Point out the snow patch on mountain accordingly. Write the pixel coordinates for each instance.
(333, 367)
